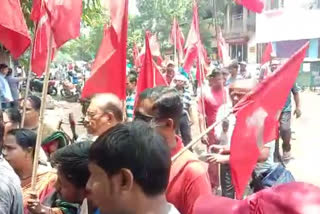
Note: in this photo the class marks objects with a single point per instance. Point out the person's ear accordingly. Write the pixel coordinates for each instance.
(170, 123)
(123, 181)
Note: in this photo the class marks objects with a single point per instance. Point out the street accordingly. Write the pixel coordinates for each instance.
(305, 143)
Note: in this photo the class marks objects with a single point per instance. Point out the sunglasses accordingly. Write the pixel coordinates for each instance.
(139, 116)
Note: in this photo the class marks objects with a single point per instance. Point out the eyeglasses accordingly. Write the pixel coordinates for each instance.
(139, 116)
(92, 115)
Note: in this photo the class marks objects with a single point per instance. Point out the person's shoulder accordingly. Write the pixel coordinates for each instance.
(193, 166)
(8, 178)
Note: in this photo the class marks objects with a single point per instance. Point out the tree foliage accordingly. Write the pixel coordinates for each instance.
(157, 16)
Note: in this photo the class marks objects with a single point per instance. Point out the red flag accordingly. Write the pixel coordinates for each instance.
(146, 76)
(257, 119)
(65, 18)
(202, 65)
(177, 37)
(37, 11)
(40, 49)
(192, 41)
(253, 5)
(135, 53)
(154, 48)
(14, 33)
(267, 54)
(159, 78)
(223, 50)
(108, 74)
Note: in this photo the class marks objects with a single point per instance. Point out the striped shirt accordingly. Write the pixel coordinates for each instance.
(186, 99)
(129, 106)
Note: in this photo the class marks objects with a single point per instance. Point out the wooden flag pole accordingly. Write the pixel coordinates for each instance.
(175, 41)
(28, 79)
(42, 109)
(198, 138)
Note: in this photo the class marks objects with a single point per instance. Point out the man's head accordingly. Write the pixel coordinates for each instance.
(11, 119)
(233, 68)
(128, 163)
(4, 69)
(170, 72)
(180, 81)
(33, 104)
(73, 172)
(240, 88)
(131, 83)
(243, 66)
(104, 112)
(216, 80)
(162, 106)
(274, 64)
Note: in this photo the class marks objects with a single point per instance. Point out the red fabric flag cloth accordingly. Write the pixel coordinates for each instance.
(65, 18)
(295, 197)
(223, 50)
(146, 77)
(177, 37)
(267, 54)
(160, 79)
(108, 73)
(40, 49)
(253, 5)
(135, 53)
(202, 67)
(14, 33)
(257, 119)
(193, 40)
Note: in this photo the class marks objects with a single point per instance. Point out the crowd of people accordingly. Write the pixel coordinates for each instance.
(123, 164)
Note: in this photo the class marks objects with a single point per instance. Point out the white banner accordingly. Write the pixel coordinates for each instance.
(287, 24)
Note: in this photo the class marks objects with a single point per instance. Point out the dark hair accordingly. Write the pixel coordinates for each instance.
(72, 161)
(24, 137)
(145, 94)
(14, 115)
(234, 64)
(9, 72)
(137, 147)
(215, 73)
(167, 104)
(35, 102)
(132, 78)
(3, 66)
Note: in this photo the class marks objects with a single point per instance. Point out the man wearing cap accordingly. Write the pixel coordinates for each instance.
(170, 72)
(180, 83)
(244, 74)
(234, 70)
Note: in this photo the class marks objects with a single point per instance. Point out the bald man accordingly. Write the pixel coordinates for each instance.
(104, 112)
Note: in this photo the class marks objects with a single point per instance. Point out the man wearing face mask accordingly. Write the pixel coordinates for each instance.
(104, 112)
(162, 108)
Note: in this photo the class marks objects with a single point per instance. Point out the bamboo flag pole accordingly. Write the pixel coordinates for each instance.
(42, 109)
(175, 40)
(28, 80)
(198, 138)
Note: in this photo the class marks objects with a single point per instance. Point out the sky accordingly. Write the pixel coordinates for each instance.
(133, 10)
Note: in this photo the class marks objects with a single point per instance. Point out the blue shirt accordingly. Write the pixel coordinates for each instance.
(288, 106)
(5, 92)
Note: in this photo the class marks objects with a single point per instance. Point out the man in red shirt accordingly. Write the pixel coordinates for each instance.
(162, 107)
(210, 100)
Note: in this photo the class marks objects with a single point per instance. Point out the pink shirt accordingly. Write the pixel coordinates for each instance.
(212, 100)
(188, 180)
